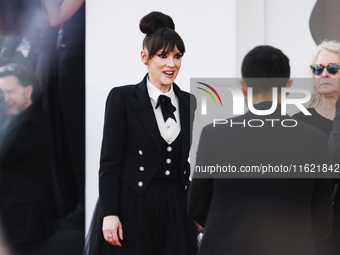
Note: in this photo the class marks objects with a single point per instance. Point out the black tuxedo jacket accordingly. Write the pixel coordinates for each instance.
(26, 198)
(261, 216)
(131, 140)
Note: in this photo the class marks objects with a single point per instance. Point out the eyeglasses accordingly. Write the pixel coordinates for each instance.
(331, 68)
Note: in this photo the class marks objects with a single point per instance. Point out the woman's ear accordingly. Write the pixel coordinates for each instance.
(144, 57)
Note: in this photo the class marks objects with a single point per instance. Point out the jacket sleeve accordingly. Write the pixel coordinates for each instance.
(112, 152)
(200, 189)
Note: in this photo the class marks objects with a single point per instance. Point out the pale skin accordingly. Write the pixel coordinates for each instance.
(163, 69)
(112, 229)
(327, 85)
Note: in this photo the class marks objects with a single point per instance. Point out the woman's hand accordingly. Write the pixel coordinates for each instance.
(112, 230)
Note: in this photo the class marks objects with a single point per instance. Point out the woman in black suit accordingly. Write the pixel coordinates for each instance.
(144, 170)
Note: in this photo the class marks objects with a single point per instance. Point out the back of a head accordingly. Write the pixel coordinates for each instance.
(160, 34)
(265, 67)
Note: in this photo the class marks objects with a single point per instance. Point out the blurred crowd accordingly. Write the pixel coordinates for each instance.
(41, 41)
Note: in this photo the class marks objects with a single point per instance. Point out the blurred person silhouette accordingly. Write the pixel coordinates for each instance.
(26, 39)
(26, 196)
(3, 116)
(261, 216)
(23, 23)
(3, 125)
(67, 105)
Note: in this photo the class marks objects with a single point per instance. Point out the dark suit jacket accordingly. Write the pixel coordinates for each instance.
(261, 216)
(334, 142)
(131, 139)
(334, 139)
(25, 181)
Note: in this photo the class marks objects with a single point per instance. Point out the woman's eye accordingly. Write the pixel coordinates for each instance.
(178, 56)
(162, 55)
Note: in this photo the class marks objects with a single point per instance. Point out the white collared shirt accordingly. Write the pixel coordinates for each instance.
(170, 129)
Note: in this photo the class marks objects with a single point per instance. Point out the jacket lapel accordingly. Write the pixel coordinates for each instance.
(142, 107)
(184, 113)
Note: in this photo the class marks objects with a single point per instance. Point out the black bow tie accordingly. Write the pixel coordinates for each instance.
(166, 107)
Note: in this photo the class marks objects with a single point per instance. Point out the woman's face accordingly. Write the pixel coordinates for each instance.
(327, 84)
(163, 67)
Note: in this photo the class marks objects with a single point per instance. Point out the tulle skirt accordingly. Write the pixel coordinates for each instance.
(154, 223)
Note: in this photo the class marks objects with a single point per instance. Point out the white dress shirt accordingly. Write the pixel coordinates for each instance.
(170, 129)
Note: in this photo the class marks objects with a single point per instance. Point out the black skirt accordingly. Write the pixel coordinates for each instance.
(155, 223)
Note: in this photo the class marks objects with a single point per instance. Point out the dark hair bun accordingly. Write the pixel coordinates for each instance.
(155, 20)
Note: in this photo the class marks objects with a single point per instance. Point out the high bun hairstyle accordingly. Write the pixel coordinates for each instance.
(160, 34)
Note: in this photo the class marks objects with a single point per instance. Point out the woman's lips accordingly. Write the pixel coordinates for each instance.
(169, 74)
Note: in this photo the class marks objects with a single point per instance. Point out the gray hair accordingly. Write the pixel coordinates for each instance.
(333, 46)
